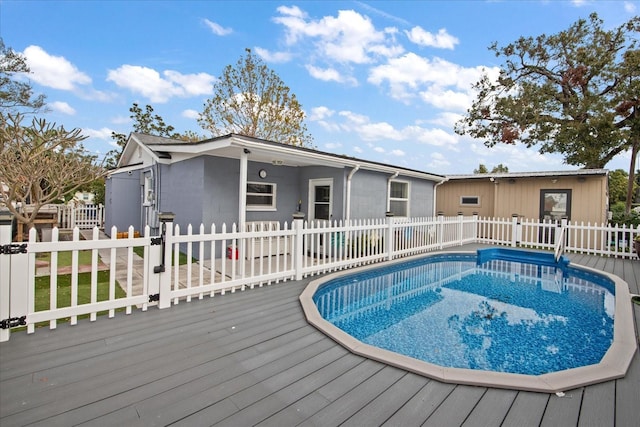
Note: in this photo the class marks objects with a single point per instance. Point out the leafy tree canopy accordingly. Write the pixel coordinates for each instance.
(618, 182)
(575, 93)
(250, 99)
(15, 95)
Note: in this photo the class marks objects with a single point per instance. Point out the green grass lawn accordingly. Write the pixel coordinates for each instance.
(64, 258)
(43, 292)
(182, 259)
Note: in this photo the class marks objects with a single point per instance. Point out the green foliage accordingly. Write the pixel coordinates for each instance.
(481, 169)
(250, 99)
(15, 95)
(496, 169)
(573, 93)
(620, 217)
(618, 184)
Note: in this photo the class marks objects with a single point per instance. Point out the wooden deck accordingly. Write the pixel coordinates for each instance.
(250, 358)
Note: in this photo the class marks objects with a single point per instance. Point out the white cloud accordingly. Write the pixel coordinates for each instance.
(103, 133)
(383, 131)
(320, 113)
(357, 149)
(190, 114)
(442, 40)
(53, 71)
(329, 74)
(398, 153)
(438, 162)
(277, 57)
(346, 38)
(438, 82)
(630, 7)
(62, 107)
(121, 120)
(332, 145)
(149, 83)
(217, 29)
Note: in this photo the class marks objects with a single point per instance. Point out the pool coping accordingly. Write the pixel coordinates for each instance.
(613, 365)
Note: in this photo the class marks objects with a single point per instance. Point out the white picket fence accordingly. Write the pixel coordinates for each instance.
(219, 260)
(82, 216)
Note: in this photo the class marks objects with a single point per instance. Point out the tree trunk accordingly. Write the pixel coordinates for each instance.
(632, 176)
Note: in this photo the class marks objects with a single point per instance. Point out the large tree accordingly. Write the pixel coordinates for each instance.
(145, 121)
(16, 95)
(576, 93)
(40, 164)
(250, 99)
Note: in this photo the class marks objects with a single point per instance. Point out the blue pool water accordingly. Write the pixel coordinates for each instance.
(504, 312)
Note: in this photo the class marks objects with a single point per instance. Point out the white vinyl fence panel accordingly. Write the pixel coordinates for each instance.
(183, 264)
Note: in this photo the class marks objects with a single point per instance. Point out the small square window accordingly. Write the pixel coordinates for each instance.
(470, 201)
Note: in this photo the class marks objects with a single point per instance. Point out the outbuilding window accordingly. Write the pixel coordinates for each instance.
(469, 201)
(399, 198)
(261, 196)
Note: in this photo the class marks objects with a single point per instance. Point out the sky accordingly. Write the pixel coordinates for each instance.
(382, 81)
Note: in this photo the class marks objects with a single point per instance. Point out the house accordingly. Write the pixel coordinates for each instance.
(238, 179)
(580, 195)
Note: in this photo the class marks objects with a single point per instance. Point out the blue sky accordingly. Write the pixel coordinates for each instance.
(379, 80)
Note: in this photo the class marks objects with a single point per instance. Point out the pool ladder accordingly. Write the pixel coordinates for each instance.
(560, 245)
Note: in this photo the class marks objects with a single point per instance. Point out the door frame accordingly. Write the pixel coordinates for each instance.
(319, 182)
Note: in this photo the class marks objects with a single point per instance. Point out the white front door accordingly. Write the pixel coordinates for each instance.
(320, 198)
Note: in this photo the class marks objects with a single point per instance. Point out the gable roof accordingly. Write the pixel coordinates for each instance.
(166, 150)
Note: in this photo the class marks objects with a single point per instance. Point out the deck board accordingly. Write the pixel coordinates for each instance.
(250, 358)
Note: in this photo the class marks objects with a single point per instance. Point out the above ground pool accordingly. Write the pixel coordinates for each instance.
(499, 317)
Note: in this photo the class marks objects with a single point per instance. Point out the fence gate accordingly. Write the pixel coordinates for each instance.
(115, 279)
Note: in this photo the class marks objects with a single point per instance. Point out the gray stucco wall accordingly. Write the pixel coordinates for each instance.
(369, 195)
(123, 201)
(181, 190)
(319, 172)
(205, 190)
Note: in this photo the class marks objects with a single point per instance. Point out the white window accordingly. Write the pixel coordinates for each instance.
(261, 196)
(399, 198)
(469, 201)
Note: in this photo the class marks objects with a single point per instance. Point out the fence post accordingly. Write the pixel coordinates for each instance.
(298, 250)
(514, 230)
(460, 228)
(440, 229)
(164, 270)
(389, 238)
(6, 221)
(475, 227)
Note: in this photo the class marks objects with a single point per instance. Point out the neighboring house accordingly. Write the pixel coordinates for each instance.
(238, 179)
(82, 198)
(580, 195)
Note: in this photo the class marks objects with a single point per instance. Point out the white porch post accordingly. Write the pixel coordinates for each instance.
(242, 206)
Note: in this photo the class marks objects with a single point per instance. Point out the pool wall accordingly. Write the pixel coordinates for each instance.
(613, 365)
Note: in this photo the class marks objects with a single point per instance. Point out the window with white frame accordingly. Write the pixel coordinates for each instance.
(261, 196)
(469, 201)
(399, 198)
